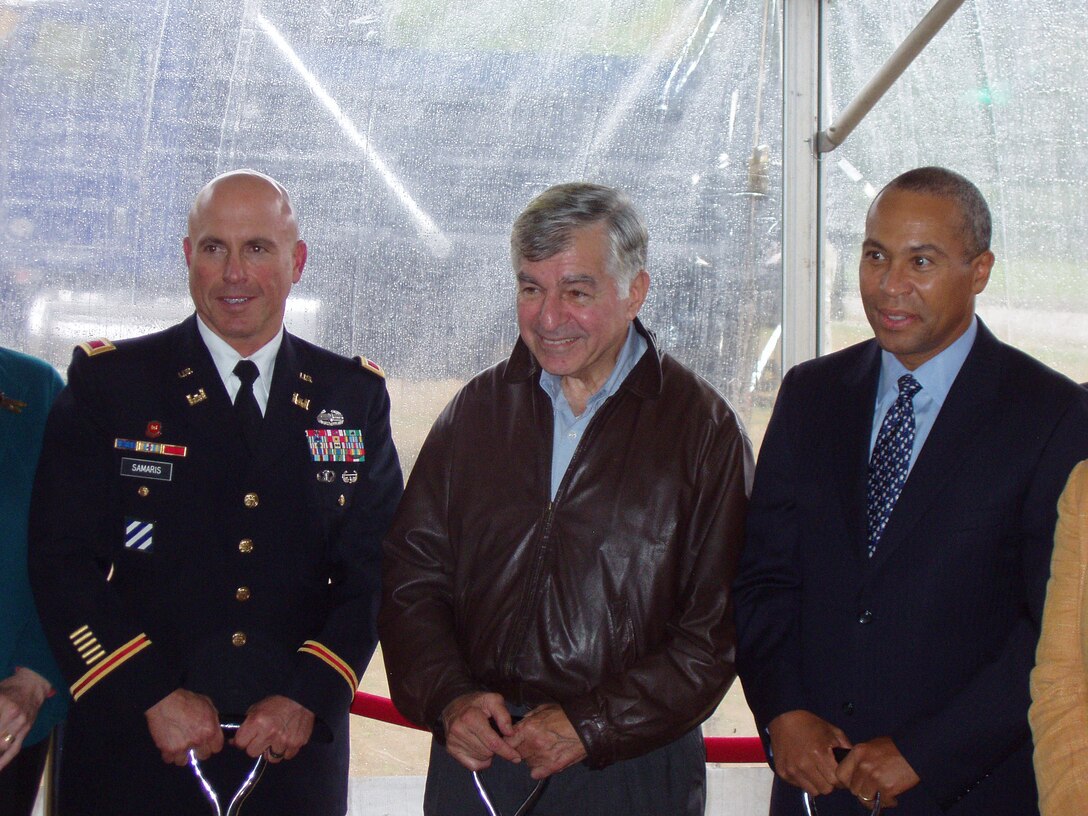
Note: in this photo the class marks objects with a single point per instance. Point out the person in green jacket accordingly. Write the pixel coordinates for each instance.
(32, 695)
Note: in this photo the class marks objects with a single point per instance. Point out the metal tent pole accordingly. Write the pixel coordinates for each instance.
(827, 140)
(801, 199)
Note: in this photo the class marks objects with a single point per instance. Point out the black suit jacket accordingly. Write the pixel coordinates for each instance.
(932, 640)
(202, 566)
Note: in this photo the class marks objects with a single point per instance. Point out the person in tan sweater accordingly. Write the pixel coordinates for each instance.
(1059, 682)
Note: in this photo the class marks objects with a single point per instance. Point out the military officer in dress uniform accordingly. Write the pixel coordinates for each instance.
(206, 535)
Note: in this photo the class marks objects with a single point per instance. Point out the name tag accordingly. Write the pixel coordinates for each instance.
(147, 469)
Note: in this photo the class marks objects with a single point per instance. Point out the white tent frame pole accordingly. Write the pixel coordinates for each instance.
(884, 78)
(801, 197)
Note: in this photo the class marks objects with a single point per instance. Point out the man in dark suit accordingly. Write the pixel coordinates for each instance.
(899, 536)
(196, 560)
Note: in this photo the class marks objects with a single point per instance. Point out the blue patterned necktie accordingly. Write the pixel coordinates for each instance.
(891, 459)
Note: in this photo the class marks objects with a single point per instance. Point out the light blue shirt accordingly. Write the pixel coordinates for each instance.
(226, 358)
(935, 376)
(568, 429)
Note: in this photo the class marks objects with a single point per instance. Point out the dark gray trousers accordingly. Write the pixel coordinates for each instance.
(670, 781)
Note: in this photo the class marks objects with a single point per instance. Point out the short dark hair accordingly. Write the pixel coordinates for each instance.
(940, 181)
(546, 226)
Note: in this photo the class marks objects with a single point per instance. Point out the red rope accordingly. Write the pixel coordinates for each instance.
(378, 708)
(734, 749)
(718, 749)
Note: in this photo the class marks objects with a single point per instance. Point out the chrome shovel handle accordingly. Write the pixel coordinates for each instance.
(244, 789)
(809, 801)
(526, 806)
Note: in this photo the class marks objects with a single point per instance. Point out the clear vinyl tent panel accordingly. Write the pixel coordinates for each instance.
(410, 135)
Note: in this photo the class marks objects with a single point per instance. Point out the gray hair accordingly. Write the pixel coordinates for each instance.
(944, 183)
(546, 227)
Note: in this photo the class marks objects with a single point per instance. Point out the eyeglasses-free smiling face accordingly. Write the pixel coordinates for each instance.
(244, 255)
(570, 313)
(918, 285)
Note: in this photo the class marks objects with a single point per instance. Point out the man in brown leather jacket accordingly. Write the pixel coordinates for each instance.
(556, 600)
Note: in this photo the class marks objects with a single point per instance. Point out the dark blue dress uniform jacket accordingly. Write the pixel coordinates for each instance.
(165, 555)
(930, 641)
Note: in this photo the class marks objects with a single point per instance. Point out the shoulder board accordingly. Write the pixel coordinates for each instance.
(100, 345)
(371, 366)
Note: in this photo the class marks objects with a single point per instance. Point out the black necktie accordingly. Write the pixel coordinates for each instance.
(245, 404)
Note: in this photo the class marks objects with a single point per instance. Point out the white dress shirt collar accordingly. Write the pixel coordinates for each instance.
(226, 358)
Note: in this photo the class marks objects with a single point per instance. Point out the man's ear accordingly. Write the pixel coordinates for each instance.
(981, 267)
(636, 295)
(301, 252)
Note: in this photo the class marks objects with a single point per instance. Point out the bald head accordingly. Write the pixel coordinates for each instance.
(245, 184)
(244, 255)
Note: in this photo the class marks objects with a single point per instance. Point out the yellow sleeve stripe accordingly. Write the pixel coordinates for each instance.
(115, 659)
(343, 669)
